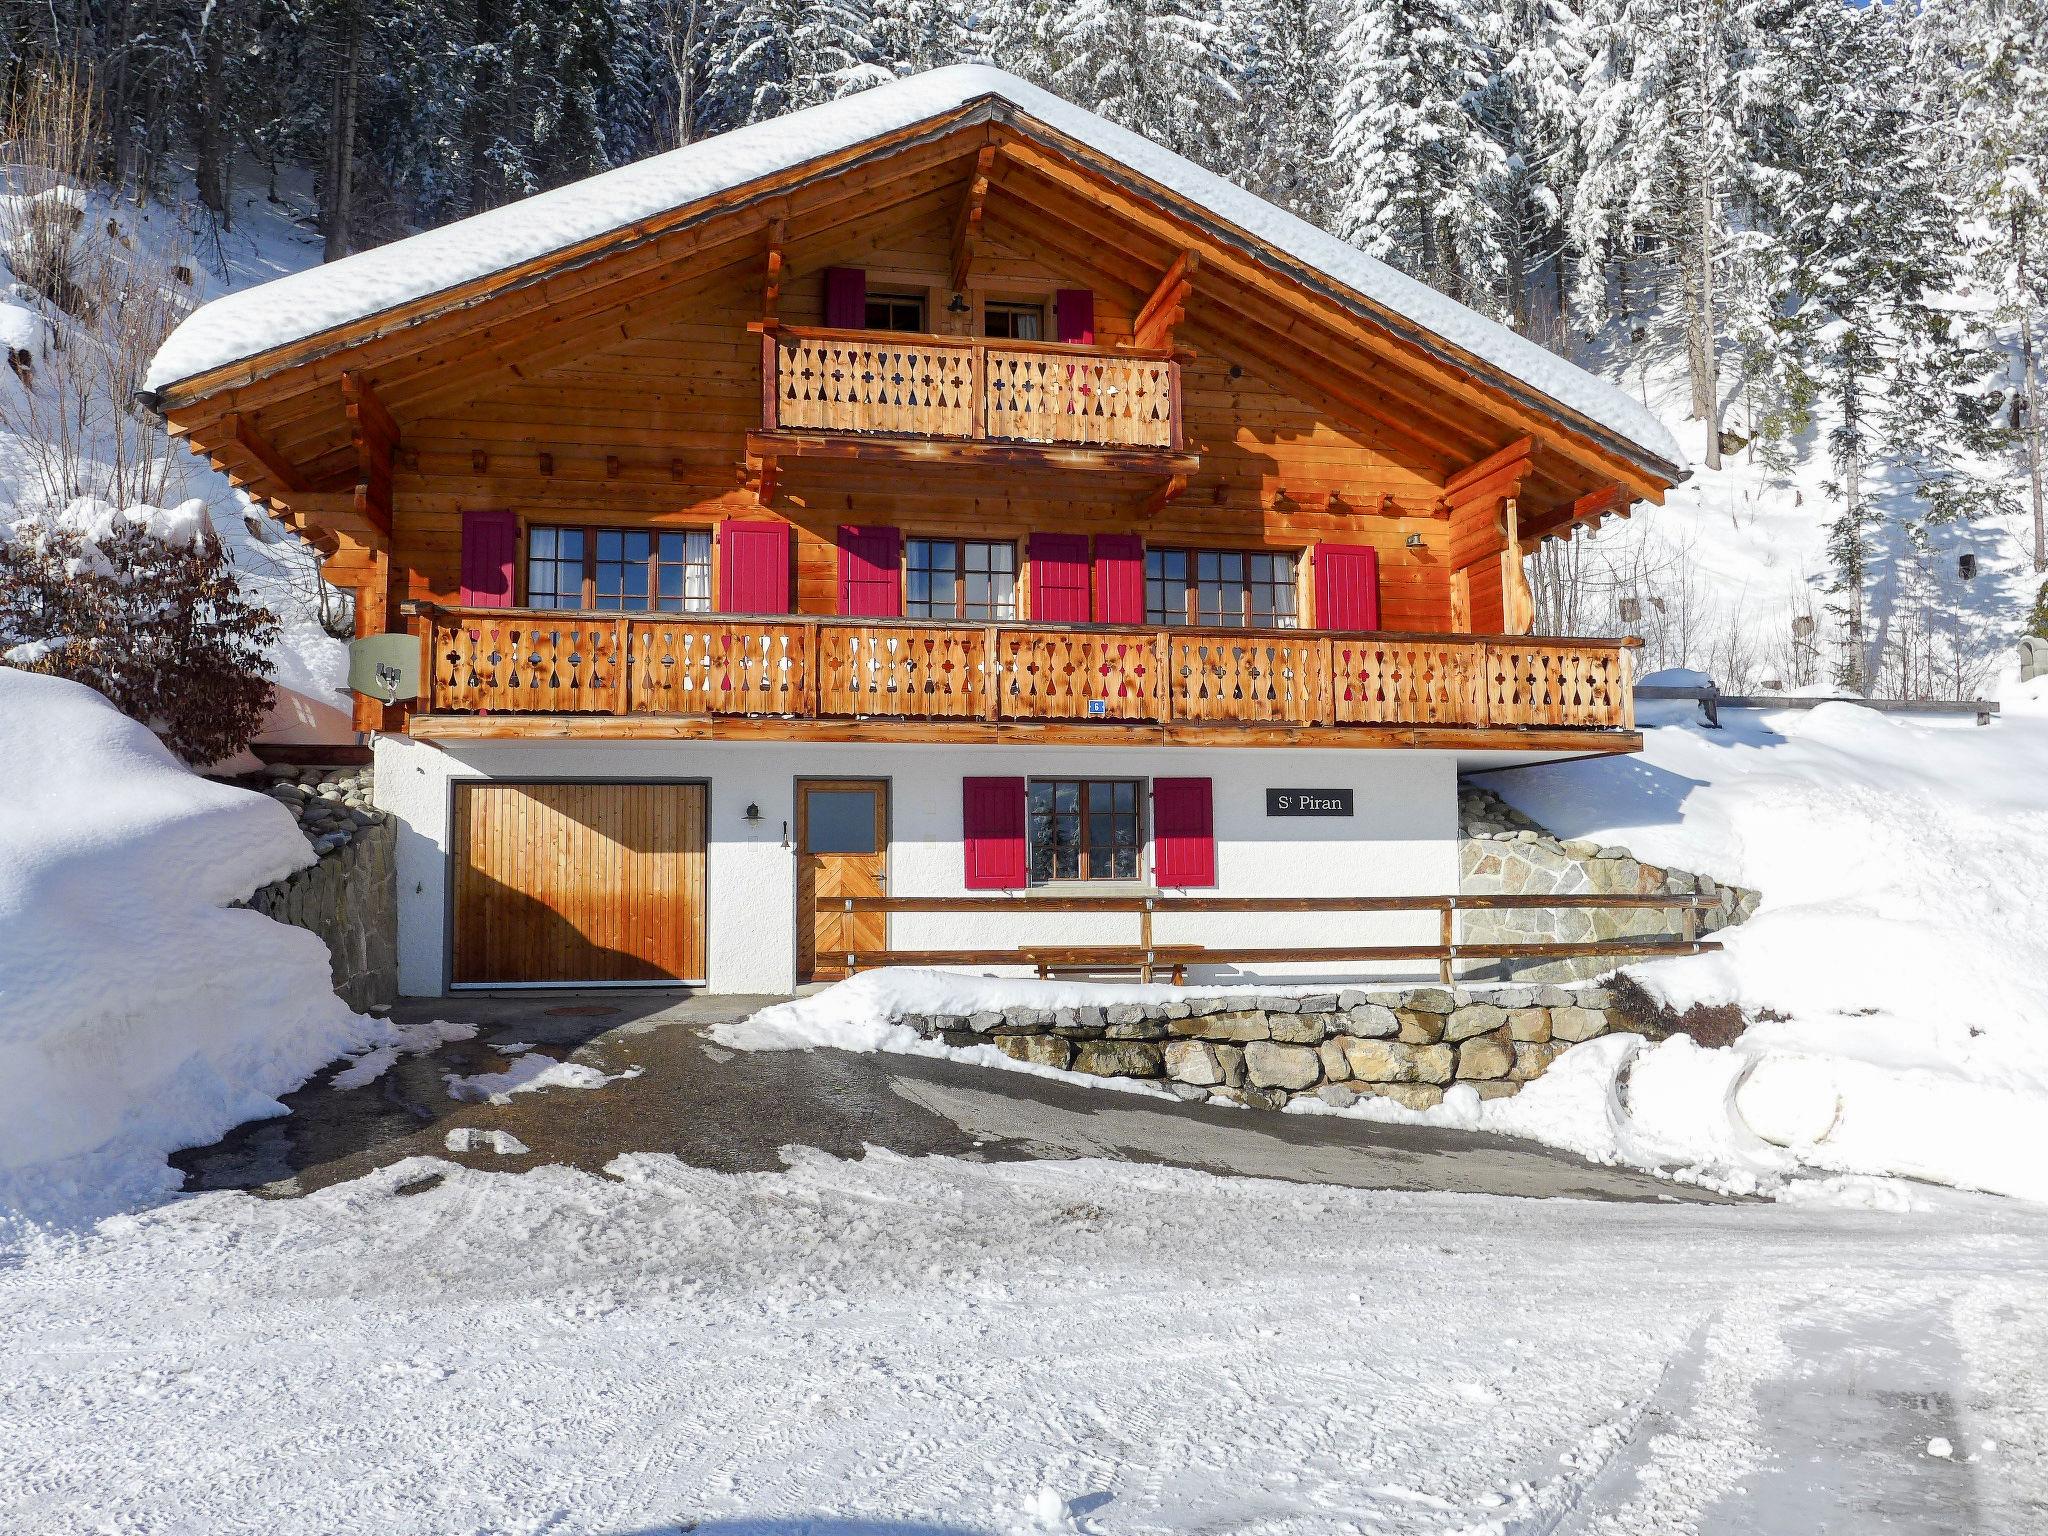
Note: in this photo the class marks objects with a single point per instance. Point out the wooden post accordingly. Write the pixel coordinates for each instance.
(977, 389)
(771, 385)
(991, 672)
(809, 703)
(622, 699)
(1326, 704)
(1162, 654)
(1689, 925)
(1450, 938)
(1175, 433)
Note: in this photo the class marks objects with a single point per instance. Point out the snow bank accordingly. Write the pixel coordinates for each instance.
(1899, 960)
(138, 1013)
(305, 304)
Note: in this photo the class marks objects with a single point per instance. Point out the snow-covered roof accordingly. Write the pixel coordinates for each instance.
(306, 304)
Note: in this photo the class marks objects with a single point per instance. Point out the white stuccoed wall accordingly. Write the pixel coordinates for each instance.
(1401, 840)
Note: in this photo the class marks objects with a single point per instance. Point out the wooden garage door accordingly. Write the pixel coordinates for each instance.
(569, 883)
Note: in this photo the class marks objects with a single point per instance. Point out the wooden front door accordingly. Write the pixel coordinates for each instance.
(842, 849)
(572, 884)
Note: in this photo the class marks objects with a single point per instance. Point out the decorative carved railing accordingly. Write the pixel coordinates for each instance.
(963, 388)
(522, 661)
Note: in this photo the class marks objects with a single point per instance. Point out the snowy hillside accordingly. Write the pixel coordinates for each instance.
(68, 428)
(1731, 576)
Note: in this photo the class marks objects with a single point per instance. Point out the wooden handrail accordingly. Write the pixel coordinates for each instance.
(982, 343)
(1555, 642)
(1146, 954)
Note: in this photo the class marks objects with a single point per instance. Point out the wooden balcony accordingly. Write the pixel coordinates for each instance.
(1013, 397)
(497, 672)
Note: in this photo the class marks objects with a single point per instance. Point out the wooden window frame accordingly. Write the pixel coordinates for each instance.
(1083, 848)
(1011, 303)
(959, 614)
(1191, 617)
(893, 293)
(591, 533)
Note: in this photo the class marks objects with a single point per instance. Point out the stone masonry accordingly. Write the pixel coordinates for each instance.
(349, 898)
(1407, 1045)
(1503, 852)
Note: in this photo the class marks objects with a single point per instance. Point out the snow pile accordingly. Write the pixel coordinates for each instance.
(307, 303)
(138, 1013)
(1897, 968)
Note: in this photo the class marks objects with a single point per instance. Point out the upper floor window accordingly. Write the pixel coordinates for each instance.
(959, 579)
(1013, 321)
(895, 312)
(1233, 587)
(619, 568)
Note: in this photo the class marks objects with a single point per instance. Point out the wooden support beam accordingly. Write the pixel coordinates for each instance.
(762, 472)
(258, 447)
(367, 417)
(1167, 306)
(1169, 489)
(1517, 603)
(967, 222)
(771, 279)
(1516, 453)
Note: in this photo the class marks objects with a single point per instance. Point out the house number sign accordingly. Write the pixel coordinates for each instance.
(1308, 802)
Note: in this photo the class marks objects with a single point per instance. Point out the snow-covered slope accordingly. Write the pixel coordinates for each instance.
(138, 1012)
(1898, 964)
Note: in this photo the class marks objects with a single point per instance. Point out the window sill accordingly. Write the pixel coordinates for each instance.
(1095, 888)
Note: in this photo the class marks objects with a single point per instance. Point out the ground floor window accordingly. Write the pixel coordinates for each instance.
(664, 569)
(1084, 829)
(1231, 587)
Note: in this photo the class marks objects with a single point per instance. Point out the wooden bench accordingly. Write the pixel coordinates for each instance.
(1144, 959)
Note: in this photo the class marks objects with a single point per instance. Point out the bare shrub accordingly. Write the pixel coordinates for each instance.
(150, 616)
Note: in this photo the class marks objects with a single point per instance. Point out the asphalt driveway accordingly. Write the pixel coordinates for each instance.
(737, 1110)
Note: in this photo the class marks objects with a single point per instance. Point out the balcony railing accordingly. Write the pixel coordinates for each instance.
(543, 662)
(969, 390)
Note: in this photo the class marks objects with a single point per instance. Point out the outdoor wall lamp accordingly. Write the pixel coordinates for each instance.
(957, 305)
(753, 814)
(1415, 541)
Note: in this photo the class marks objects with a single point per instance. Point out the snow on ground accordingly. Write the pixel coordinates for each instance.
(946, 1346)
(529, 1074)
(138, 1012)
(1903, 863)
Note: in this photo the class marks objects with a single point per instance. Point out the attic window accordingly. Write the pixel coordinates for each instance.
(1013, 321)
(895, 312)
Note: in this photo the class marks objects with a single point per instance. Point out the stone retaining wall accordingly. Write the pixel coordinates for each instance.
(349, 898)
(1407, 1045)
(1502, 852)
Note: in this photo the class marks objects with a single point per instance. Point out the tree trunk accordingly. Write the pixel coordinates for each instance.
(341, 140)
(1706, 381)
(2030, 390)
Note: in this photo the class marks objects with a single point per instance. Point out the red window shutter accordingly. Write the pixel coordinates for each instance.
(490, 549)
(753, 567)
(1183, 832)
(992, 823)
(1074, 313)
(1059, 578)
(870, 579)
(1347, 586)
(846, 298)
(1119, 578)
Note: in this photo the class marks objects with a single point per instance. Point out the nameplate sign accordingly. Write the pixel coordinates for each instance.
(1308, 802)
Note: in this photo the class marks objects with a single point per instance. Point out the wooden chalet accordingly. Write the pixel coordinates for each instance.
(939, 491)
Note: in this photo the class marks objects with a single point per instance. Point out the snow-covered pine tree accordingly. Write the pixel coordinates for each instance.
(1870, 254)
(1283, 51)
(1531, 110)
(1663, 118)
(1416, 168)
(1155, 66)
(1998, 127)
